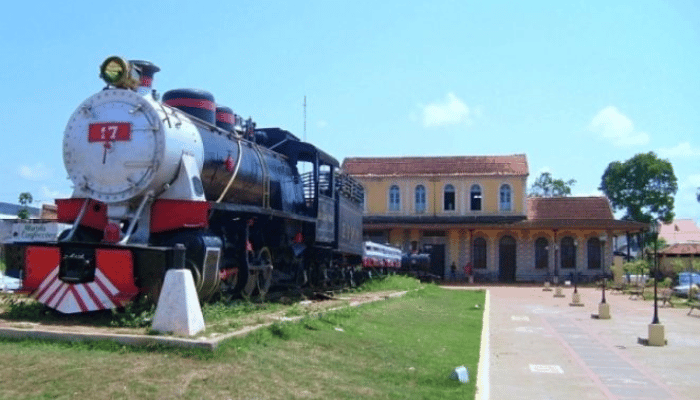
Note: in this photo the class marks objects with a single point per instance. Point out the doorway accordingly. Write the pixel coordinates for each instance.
(506, 257)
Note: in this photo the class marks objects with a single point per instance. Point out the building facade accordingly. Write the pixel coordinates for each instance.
(474, 210)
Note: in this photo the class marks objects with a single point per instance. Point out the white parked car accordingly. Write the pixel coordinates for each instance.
(8, 283)
(685, 280)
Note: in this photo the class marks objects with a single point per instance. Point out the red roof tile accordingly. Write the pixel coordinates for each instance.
(681, 249)
(539, 208)
(511, 165)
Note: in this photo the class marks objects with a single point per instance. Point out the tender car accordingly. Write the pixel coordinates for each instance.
(685, 280)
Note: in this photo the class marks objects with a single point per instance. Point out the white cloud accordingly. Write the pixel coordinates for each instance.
(684, 149)
(450, 111)
(321, 124)
(693, 181)
(612, 125)
(37, 172)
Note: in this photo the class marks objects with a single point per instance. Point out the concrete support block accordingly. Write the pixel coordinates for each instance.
(657, 335)
(603, 311)
(546, 288)
(557, 292)
(178, 310)
(576, 300)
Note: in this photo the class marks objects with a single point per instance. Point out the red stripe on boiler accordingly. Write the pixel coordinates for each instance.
(224, 117)
(196, 103)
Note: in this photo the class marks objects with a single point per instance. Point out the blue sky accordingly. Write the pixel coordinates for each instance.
(574, 85)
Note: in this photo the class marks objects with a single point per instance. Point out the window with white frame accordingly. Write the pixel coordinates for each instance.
(449, 198)
(420, 199)
(475, 198)
(394, 198)
(505, 198)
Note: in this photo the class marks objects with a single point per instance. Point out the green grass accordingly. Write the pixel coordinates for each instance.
(391, 282)
(395, 349)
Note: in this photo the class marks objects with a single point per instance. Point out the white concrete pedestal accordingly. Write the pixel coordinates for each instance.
(657, 335)
(603, 311)
(546, 288)
(178, 310)
(557, 292)
(576, 300)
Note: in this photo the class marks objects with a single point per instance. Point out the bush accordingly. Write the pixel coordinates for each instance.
(636, 267)
(664, 283)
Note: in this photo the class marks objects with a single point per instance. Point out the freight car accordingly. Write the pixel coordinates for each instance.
(255, 208)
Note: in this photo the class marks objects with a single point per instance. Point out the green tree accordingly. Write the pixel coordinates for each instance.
(25, 199)
(643, 186)
(545, 186)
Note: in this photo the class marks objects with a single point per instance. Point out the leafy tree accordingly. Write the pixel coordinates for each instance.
(644, 186)
(545, 186)
(25, 199)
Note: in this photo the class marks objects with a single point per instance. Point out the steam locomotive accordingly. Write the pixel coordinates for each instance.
(253, 208)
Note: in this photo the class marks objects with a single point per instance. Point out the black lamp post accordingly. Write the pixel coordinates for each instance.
(603, 238)
(575, 269)
(654, 230)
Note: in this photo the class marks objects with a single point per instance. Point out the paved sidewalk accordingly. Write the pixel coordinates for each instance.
(543, 348)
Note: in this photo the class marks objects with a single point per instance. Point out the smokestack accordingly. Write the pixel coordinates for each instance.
(146, 69)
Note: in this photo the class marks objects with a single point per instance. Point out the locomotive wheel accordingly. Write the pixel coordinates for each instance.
(247, 278)
(196, 274)
(264, 274)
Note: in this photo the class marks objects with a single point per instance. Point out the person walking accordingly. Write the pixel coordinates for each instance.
(468, 272)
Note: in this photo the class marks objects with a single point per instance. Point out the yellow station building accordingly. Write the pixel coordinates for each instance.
(475, 209)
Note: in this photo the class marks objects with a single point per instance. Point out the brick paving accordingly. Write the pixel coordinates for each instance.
(542, 348)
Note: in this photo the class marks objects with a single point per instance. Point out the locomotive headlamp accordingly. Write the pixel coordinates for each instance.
(118, 72)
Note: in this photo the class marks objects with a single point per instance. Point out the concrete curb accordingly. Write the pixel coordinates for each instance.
(482, 378)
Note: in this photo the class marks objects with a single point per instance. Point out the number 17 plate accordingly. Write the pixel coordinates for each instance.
(109, 131)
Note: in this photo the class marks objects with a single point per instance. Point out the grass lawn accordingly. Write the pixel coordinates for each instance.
(395, 349)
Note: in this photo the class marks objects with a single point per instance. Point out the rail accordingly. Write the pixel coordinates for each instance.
(349, 187)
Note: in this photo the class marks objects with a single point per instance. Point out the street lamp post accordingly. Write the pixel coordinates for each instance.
(603, 307)
(657, 334)
(654, 230)
(602, 239)
(575, 297)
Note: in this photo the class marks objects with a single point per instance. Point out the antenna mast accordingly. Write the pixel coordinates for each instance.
(305, 118)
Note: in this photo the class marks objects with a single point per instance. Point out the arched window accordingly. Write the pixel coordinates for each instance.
(475, 198)
(505, 197)
(594, 253)
(541, 253)
(449, 198)
(479, 249)
(568, 253)
(394, 198)
(420, 199)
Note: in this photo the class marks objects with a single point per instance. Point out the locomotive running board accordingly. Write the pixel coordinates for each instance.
(260, 210)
